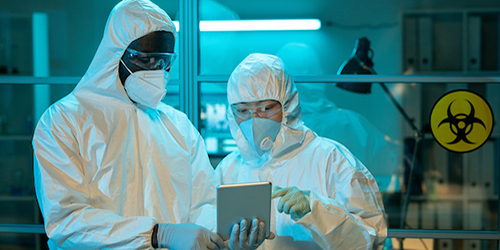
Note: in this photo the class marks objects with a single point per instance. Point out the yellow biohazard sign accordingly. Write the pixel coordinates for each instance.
(461, 121)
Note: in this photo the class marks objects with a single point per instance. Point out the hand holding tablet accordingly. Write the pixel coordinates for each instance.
(243, 214)
(247, 236)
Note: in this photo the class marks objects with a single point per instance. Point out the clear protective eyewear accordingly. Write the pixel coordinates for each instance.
(151, 61)
(266, 110)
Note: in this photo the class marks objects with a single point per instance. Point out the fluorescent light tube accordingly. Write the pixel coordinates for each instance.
(258, 25)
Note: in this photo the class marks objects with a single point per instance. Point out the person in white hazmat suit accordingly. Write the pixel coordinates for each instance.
(323, 196)
(116, 168)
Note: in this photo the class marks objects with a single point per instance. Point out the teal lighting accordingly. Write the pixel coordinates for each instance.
(258, 25)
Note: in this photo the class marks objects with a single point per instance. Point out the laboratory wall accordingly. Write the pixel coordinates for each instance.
(444, 45)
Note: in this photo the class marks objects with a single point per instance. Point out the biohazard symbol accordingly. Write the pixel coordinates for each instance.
(461, 124)
(461, 121)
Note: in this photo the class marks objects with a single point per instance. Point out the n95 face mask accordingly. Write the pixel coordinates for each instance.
(147, 87)
(260, 133)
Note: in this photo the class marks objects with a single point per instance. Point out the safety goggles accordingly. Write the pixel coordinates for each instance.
(266, 110)
(151, 61)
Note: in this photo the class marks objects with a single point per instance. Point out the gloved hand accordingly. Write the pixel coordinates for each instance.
(187, 236)
(293, 202)
(240, 239)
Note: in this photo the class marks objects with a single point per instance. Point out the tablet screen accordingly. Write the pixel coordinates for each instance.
(245, 200)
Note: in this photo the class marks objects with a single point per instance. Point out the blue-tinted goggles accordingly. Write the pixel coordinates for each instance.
(265, 110)
(151, 61)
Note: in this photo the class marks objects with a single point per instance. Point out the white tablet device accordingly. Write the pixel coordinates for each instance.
(245, 200)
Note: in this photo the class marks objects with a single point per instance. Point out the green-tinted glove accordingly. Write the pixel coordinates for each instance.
(293, 201)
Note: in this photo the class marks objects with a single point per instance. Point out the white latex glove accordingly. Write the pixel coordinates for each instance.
(187, 236)
(242, 239)
(293, 201)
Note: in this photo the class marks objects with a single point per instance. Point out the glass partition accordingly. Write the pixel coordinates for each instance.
(312, 51)
(406, 37)
(214, 126)
(427, 244)
(56, 38)
(45, 48)
(424, 185)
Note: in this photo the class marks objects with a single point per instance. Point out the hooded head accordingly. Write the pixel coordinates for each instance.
(262, 77)
(128, 21)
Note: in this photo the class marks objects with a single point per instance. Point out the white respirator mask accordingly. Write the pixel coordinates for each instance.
(260, 133)
(147, 87)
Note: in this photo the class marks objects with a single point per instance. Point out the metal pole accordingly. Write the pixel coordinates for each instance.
(418, 136)
(188, 43)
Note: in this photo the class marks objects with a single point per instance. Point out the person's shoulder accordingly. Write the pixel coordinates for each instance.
(179, 120)
(231, 160)
(65, 107)
(334, 149)
(333, 142)
(326, 144)
(173, 113)
(61, 117)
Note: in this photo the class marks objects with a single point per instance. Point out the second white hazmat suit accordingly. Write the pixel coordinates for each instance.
(108, 170)
(346, 206)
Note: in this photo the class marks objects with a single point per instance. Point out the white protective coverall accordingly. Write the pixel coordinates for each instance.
(108, 170)
(346, 206)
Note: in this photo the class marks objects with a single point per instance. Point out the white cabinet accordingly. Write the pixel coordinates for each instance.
(437, 42)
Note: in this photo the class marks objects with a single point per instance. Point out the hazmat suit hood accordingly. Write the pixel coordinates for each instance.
(264, 77)
(128, 21)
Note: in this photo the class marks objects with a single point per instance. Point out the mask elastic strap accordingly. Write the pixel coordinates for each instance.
(126, 90)
(129, 71)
